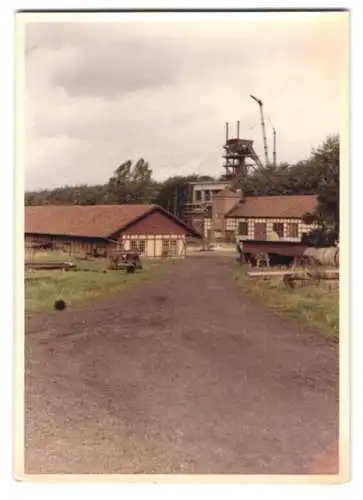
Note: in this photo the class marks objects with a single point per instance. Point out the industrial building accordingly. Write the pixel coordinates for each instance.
(222, 213)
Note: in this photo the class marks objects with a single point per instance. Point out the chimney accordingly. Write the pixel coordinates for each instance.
(240, 194)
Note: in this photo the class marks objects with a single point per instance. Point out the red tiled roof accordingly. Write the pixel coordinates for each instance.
(294, 206)
(99, 221)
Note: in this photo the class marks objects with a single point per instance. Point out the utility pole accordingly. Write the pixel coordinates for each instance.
(260, 103)
(274, 146)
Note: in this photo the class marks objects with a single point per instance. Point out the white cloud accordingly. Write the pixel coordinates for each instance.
(98, 94)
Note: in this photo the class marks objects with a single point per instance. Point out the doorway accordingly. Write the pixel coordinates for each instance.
(260, 231)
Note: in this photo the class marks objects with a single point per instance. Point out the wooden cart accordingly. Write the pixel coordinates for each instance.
(130, 261)
(275, 253)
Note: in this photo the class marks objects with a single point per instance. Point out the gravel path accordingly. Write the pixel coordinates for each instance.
(181, 375)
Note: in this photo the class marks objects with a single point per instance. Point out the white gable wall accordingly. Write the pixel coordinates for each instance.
(155, 246)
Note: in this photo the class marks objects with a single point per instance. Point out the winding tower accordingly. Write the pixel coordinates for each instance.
(239, 156)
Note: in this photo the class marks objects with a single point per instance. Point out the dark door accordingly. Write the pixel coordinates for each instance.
(260, 230)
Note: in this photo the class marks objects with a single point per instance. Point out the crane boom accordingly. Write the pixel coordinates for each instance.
(264, 138)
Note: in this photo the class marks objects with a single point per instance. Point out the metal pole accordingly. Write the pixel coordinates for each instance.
(227, 125)
(175, 208)
(264, 136)
(274, 150)
(238, 129)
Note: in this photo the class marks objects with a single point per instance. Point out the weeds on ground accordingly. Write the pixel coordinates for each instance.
(312, 304)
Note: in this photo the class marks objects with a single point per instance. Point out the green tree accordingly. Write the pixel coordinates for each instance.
(325, 162)
(132, 183)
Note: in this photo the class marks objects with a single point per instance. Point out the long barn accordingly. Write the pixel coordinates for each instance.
(147, 229)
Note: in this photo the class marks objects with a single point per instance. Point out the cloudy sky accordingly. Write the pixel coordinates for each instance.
(162, 87)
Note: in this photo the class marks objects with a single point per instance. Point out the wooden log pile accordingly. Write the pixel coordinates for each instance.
(50, 265)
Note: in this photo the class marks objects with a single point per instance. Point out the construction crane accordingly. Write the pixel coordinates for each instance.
(260, 103)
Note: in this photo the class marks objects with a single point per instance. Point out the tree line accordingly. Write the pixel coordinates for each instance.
(134, 183)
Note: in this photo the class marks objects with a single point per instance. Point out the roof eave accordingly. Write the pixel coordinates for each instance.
(231, 215)
(61, 235)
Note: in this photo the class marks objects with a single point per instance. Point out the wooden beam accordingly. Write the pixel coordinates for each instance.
(255, 274)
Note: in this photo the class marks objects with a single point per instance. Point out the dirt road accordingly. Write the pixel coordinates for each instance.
(183, 375)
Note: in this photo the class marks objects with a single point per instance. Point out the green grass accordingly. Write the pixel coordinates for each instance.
(44, 287)
(42, 256)
(313, 305)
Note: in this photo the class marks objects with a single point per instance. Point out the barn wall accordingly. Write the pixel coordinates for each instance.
(71, 245)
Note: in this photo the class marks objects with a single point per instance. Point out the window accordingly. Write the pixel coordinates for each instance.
(142, 246)
(198, 195)
(138, 246)
(278, 227)
(293, 230)
(243, 228)
(169, 248)
(207, 195)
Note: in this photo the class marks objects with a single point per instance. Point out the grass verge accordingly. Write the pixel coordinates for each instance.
(313, 305)
(44, 287)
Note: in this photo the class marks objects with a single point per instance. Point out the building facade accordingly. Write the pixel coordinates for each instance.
(96, 230)
(203, 192)
(201, 197)
(259, 217)
(154, 236)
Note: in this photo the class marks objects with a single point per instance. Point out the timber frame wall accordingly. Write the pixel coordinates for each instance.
(292, 228)
(154, 246)
(149, 246)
